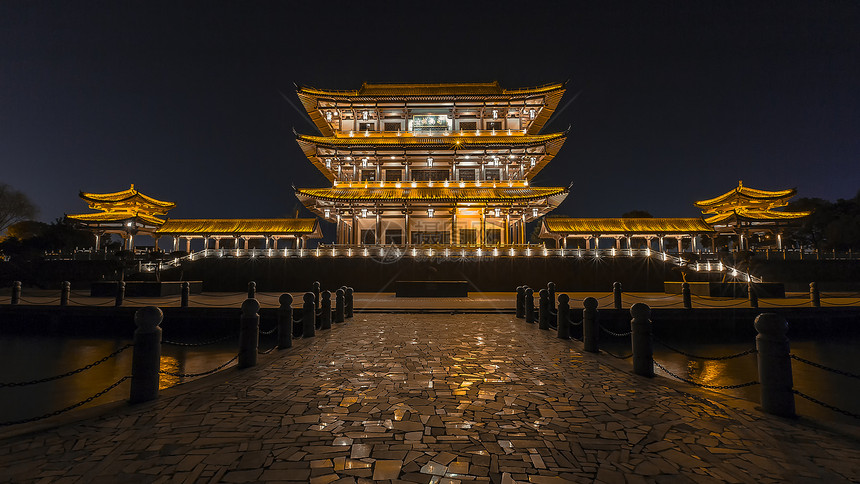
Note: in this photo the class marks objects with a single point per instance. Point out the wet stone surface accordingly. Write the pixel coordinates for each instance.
(430, 398)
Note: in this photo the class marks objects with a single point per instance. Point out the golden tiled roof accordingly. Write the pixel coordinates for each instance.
(123, 196)
(452, 142)
(746, 197)
(115, 217)
(431, 90)
(564, 225)
(230, 226)
(755, 215)
(431, 194)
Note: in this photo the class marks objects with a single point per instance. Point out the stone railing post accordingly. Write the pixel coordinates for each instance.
(753, 296)
(16, 293)
(146, 355)
(309, 316)
(643, 350)
(774, 365)
(590, 329)
(252, 290)
(814, 295)
(65, 291)
(530, 305)
(521, 301)
(550, 288)
(348, 308)
(120, 293)
(685, 295)
(616, 294)
(325, 307)
(339, 306)
(249, 333)
(285, 321)
(183, 296)
(563, 316)
(316, 290)
(543, 309)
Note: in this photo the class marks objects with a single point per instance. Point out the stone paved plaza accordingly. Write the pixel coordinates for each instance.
(432, 398)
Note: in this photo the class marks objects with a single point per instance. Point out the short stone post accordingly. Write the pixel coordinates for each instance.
(521, 301)
(316, 291)
(146, 355)
(543, 309)
(325, 307)
(183, 296)
(685, 295)
(590, 329)
(65, 291)
(563, 316)
(252, 290)
(120, 293)
(339, 306)
(814, 295)
(753, 296)
(643, 350)
(309, 316)
(249, 333)
(616, 293)
(16, 293)
(348, 308)
(530, 305)
(285, 321)
(550, 288)
(774, 365)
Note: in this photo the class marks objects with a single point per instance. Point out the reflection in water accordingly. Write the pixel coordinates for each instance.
(25, 358)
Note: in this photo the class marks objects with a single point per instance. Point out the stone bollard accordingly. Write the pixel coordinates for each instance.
(285, 321)
(65, 291)
(774, 365)
(120, 293)
(325, 304)
(590, 329)
(309, 316)
(616, 293)
(685, 295)
(643, 350)
(249, 333)
(543, 309)
(814, 295)
(521, 301)
(752, 296)
(316, 290)
(550, 288)
(146, 355)
(16, 293)
(252, 290)
(338, 306)
(563, 316)
(530, 305)
(348, 302)
(183, 296)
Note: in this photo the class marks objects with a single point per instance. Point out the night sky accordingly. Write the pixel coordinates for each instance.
(677, 100)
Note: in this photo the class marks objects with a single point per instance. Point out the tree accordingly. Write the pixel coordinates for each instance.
(637, 214)
(14, 207)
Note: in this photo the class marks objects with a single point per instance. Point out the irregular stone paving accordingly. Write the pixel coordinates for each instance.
(430, 398)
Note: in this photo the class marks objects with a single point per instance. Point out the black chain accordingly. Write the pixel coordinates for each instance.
(73, 372)
(826, 405)
(620, 357)
(827, 303)
(698, 357)
(578, 323)
(70, 407)
(827, 368)
(271, 331)
(714, 387)
(205, 343)
(192, 375)
(618, 335)
(266, 352)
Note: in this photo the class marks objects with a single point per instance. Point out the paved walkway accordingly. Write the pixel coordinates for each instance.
(430, 398)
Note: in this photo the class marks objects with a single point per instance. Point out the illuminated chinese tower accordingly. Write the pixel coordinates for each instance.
(431, 164)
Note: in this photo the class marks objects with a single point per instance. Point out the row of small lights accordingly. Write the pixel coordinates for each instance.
(423, 134)
(494, 159)
(414, 184)
(430, 212)
(365, 115)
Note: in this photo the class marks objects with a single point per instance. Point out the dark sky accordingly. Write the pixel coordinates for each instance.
(679, 100)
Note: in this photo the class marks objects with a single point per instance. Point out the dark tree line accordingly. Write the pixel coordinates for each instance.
(832, 225)
(30, 239)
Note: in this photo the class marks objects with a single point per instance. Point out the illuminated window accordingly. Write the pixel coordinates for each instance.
(363, 213)
(364, 115)
(327, 213)
(430, 212)
(495, 114)
(430, 161)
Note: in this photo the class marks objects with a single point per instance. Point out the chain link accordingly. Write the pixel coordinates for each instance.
(713, 387)
(271, 331)
(826, 368)
(204, 343)
(578, 323)
(826, 405)
(266, 352)
(70, 407)
(713, 358)
(620, 357)
(192, 375)
(73, 372)
(618, 335)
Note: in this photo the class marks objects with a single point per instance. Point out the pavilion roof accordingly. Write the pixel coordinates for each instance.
(129, 195)
(117, 216)
(754, 215)
(399, 90)
(565, 225)
(231, 226)
(432, 194)
(742, 196)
